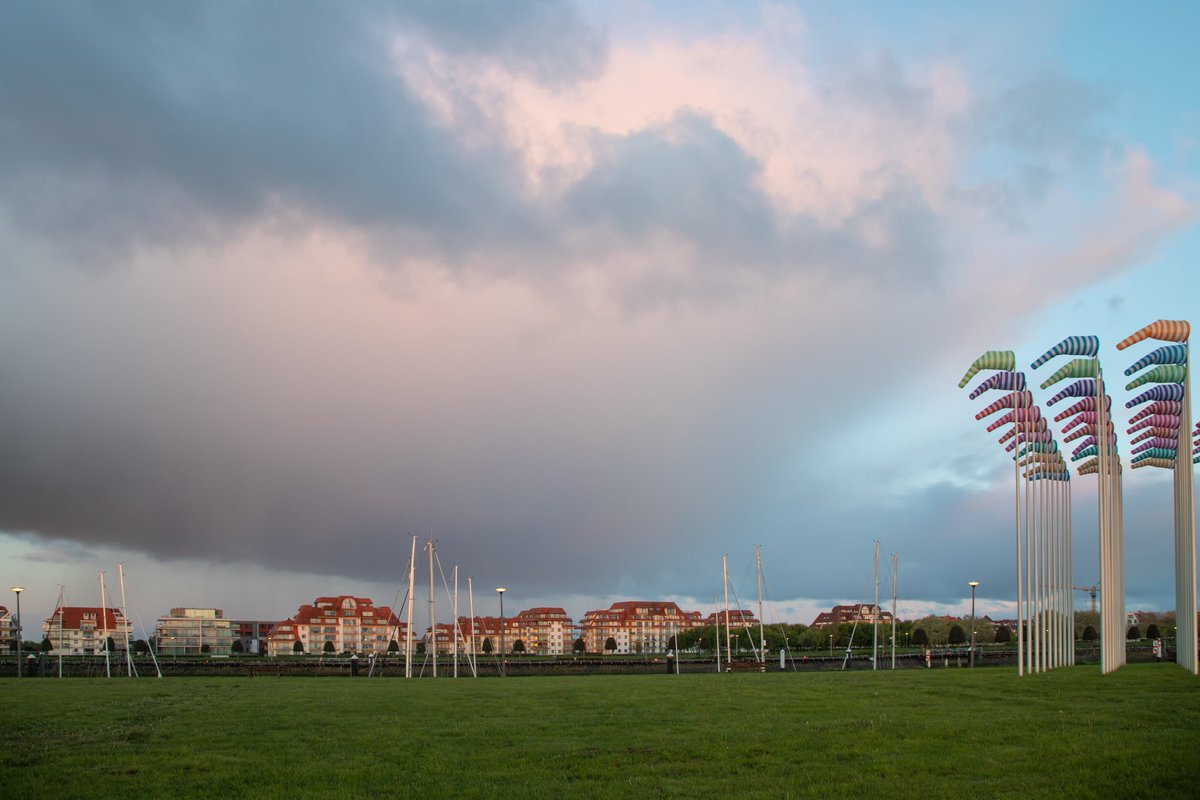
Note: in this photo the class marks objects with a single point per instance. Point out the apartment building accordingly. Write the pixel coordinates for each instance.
(252, 635)
(345, 623)
(636, 626)
(859, 612)
(194, 632)
(8, 628)
(81, 630)
(738, 618)
(541, 631)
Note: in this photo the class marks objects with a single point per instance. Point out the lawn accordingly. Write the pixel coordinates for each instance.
(913, 733)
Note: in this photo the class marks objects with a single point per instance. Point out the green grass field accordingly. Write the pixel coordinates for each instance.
(913, 733)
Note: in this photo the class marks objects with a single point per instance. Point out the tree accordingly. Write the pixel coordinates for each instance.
(237, 647)
(487, 645)
(920, 636)
(1003, 634)
(393, 646)
(46, 646)
(579, 645)
(957, 635)
(1152, 632)
(1089, 634)
(109, 644)
(518, 646)
(206, 648)
(328, 648)
(673, 644)
(610, 644)
(298, 647)
(1133, 633)
(420, 648)
(141, 647)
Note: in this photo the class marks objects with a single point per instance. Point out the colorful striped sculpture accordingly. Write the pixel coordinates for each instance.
(1165, 330)
(1084, 388)
(1021, 415)
(1162, 463)
(1155, 421)
(1007, 381)
(992, 359)
(1168, 354)
(1071, 346)
(1079, 368)
(1167, 391)
(1157, 442)
(1159, 407)
(1167, 373)
(1146, 433)
(1086, 404)
(1019, 399)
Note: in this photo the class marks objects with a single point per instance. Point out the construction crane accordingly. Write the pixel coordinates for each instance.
(1092, 592)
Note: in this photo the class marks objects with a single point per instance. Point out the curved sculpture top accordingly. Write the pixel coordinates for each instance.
(1156, 421)
(1084, 388)
(1162, 463)
(1157, 442)
(1167, 354)
(1146, 433)
(1077, 368)
(1166, 391)
(1045, 437)
(1159, 407)
(1086, 404)
(1019, 415)
(1155, 452)
(1165, 330)
(1018, 399)
(1010, 381)
(992, 359)
(1071, 346)
(1164, 373)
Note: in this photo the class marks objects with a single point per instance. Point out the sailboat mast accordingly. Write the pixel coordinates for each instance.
(408, 637)
(125, 611)
(717, 632)
(875, 630)
(471, 611)
(455, 648)
(432, 612)
(895, 576)
(62, 592)
(725, 578)
(104, 623)
(762, 645)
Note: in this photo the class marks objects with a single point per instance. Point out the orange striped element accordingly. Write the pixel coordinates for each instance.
(1165, 330)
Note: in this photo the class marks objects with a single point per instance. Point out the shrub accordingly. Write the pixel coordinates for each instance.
(1152, 632)
(518, 646)
(579, 646)
(957, 636)
(237, 647)
(1003, 634)
(1089, 634)
(487, 645)
(298, 647)
(393, 646)
(610, 644)
(920, 636)
(1133, 633)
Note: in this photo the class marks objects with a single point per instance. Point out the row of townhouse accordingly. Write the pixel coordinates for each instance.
(346, 623)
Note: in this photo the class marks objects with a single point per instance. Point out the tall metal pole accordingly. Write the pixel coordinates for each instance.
(408, 636)
(973, 584)
(725, 578)
(503, 671)
(432, 611)
(471, 611)
(717, 632)
(762, 644)
(456, 629)
(104, 618)
(125, 613)
(895, 577)
(17, 591)
(875, 611)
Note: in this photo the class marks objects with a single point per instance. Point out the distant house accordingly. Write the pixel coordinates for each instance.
(859, 612)
(543, 630)
(194, 632)
(81, 630)
(346, 623)
(8, 627)
(636, 626)
(738, 618)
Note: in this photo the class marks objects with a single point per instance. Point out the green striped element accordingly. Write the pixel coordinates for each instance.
(1166, 373)
(992, 359)
(1079, 368)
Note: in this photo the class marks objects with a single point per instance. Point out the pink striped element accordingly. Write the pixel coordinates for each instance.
(1088, 417)
(1045, 437)
(1156, 421)
(1084, 445)
(1086, 404)
(1018, 415)
(1157, 441)
(1159, 407)
(1022, 400)
(1086, 430)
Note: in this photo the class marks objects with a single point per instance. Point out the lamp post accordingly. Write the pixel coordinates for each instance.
(17, 591)
(972, 584)
(831, 644)
(500, 591)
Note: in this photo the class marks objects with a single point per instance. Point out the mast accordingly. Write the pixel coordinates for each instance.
(432, 611)
(725, 576)
(408, 637)
(875, 633)
(62, 591)
(125, 611)
(471, 611)
(104, 623)
(895, 575)
(717, 632)
(455, 649)
(762, 646)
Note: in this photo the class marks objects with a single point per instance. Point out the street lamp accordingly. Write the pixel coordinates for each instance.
(972, 584)
(831, 644)
(17, 591)
(500, 591)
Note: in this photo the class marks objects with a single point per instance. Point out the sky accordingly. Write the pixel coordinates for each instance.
(591, 293)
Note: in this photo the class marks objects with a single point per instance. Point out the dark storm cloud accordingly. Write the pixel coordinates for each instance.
(126, 122)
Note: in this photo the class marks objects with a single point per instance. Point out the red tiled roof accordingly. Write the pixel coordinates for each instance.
(72, 617)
